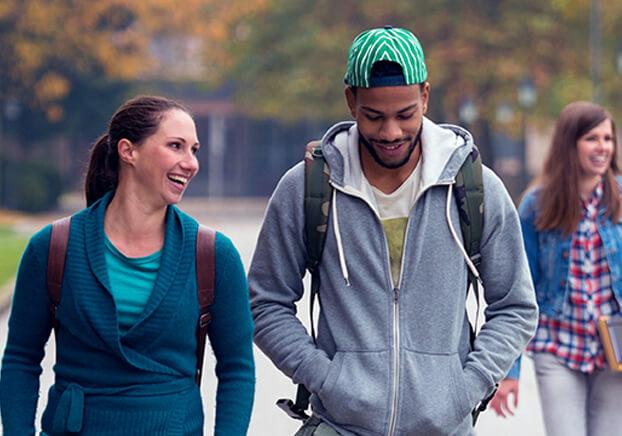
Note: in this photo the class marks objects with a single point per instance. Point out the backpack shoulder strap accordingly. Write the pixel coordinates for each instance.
(206, 275)
(469, 191)
(317, 203)
(318, 194)
(57, 252)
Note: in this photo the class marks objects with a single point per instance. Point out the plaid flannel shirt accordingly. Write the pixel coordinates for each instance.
(573, 335)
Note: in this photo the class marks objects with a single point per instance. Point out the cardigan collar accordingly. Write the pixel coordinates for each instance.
(175, 236)
(173, 246)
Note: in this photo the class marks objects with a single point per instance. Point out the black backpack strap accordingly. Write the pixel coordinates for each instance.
(206, 275)
(469, 192)
(57, 253)
(318, 194)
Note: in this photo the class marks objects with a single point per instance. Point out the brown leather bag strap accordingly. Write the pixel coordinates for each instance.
(59, 240)
(206, 275)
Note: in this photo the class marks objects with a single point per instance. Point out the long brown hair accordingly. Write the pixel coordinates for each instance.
(559, 200)
(136, 120)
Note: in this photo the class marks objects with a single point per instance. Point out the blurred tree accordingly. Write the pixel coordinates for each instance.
(65, 65)
(43, 45)
(46, 46)
(288, 59)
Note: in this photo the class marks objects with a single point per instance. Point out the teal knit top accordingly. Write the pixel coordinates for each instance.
(131, 282)
(140, 381)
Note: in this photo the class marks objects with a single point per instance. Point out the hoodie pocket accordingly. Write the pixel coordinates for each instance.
(356, 390)
(434, 397)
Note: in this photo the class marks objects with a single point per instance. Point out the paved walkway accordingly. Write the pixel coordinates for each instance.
(240, 220)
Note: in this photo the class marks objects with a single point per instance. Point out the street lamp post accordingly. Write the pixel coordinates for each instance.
(507, 161)
(504, 114)
(468, 112)
(216, 152)
(9, 111)
(596, 42)
(527, 97)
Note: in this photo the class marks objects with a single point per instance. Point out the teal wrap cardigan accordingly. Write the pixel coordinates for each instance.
(140, 382)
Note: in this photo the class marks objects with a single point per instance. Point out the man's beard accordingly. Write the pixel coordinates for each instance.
(411, 148)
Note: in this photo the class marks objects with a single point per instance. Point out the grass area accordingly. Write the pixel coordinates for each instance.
(11, 247)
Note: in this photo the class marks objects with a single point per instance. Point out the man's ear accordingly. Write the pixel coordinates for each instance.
(351, 100)
(425, 96)
(126, 150)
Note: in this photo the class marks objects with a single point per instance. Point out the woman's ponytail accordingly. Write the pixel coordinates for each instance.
(102, 174)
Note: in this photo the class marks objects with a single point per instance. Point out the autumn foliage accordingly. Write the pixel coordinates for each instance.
(285, 58)
(45, 44)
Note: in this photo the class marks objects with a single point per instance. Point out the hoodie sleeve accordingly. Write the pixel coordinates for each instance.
(275, 282)
(527, 213)
(511, 313)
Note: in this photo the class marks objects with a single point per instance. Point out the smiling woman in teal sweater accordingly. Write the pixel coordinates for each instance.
(126, 338)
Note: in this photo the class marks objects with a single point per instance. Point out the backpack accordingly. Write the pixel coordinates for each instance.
(469, 195)
(205, 278)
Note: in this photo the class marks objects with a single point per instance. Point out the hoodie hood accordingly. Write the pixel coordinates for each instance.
(445, 147)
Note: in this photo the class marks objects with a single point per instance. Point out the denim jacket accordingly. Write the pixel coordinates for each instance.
(548, 253)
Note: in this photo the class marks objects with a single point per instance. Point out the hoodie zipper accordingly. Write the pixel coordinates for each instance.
(396, 311)
(396, 315)
(396, 331)
(395, 289)
(395, 297)
(396, 360)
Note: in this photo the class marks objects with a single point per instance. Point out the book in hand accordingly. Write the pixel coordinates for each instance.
(610, 329)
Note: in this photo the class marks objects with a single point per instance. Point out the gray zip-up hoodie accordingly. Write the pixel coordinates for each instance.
(393, 358)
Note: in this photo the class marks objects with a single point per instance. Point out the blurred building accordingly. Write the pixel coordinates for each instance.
(240, 155)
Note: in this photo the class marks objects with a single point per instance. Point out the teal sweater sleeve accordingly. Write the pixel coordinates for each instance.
(30, 325)
(231, 337)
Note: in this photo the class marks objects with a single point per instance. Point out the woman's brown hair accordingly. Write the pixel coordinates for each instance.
(135, 120)
(559, 200)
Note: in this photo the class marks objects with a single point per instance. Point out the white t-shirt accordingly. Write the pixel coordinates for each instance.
(394, 209)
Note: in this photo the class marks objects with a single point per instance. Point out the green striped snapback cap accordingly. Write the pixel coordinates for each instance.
(385, 44)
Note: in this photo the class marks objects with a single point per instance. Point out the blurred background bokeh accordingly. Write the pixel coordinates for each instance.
(263, 77)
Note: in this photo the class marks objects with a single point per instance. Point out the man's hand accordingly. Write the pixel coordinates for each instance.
(500, 402)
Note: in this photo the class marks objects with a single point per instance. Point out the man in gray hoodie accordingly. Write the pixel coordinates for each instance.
(392, 355)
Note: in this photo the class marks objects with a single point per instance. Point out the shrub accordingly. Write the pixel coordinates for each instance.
(31, 186)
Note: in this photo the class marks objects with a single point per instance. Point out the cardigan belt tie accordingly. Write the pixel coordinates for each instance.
(70, 409)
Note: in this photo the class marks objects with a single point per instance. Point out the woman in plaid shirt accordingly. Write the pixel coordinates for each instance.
(573, 238)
